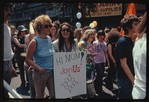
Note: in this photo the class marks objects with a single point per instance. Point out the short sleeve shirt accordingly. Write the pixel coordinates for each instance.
(124, 50)
(100, 47)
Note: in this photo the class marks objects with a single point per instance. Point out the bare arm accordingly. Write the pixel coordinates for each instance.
(106, 55)
(18, 43)
(110, 53)
(126, 69)
(29, 56)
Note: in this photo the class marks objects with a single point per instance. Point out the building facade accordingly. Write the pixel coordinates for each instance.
(26, 12)
(23, 13)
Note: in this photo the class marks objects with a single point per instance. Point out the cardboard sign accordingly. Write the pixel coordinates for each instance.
(69, 74)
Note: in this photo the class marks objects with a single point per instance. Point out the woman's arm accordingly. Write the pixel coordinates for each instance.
(110, 54)
(106, 55)
(29, 56)
(18, 43)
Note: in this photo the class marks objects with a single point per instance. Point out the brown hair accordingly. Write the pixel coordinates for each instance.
(127, 21)
(40, 20)
(57, 23)
(78, 33)
(56, 35)
(61, 39)
(113, 35)
(86, 28)
(87, 33)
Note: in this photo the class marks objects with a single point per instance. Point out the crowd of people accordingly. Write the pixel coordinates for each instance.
(125, 56)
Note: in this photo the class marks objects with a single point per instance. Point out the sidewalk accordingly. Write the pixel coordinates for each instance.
(24, 91)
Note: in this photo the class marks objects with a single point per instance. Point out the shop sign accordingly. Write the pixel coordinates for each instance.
(106, 9)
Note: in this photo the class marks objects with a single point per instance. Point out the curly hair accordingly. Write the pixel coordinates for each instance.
(40, 20)
(127, 21)
(61, 39)
(87, 33)
(86, 28)
(113, 36)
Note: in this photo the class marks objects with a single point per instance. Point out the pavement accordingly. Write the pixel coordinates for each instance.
(25, 92)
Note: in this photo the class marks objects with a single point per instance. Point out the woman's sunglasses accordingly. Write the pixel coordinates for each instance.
(68, 30)
(92, 34)
(46, 26)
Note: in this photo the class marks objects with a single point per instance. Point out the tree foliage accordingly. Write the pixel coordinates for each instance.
(74, 8)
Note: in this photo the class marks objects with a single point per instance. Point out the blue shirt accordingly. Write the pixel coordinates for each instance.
(124, 50)
(44, 53)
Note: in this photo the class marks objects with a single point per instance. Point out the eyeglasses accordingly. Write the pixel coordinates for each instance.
(92, 34)
(46, 26)
(68, 30)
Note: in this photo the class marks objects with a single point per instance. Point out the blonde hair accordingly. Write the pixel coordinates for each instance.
(31, 29)
(40, 20)
(86, 34)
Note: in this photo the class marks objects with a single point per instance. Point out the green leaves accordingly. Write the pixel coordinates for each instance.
(74, 8)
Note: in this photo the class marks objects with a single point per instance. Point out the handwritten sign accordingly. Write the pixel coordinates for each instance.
(106, 9)
(69, 74)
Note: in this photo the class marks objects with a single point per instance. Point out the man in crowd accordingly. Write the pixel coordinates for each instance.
(8, 54)
(124, 59)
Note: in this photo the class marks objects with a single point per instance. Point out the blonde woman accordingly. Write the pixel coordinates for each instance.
(42, 50)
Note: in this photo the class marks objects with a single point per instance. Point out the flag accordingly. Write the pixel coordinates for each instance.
(130, 10)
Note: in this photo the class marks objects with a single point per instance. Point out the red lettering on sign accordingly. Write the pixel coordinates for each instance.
(74, 69)
(102, 4)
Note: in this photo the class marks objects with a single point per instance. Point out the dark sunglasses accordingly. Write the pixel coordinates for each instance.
(92, 34)
(68, 30)
(46, 26)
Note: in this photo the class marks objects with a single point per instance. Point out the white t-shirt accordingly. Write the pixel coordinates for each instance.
(139, 61)
(8, 53)
(56, 47)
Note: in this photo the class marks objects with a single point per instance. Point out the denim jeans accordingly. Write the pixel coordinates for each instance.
(125, 88)
(100, 67)
(31, 83)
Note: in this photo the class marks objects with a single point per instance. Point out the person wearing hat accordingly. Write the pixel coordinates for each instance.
(19, 40)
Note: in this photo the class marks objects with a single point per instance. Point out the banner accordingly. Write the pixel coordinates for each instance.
(106, 9)
(69, 74)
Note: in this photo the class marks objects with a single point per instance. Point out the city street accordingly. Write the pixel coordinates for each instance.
(24, 92)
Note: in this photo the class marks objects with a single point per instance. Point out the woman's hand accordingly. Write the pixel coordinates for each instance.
(13, 72)
(42, 71)
(108, 65)
(30, 69)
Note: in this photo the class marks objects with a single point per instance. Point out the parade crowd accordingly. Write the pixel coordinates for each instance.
(32, 49)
